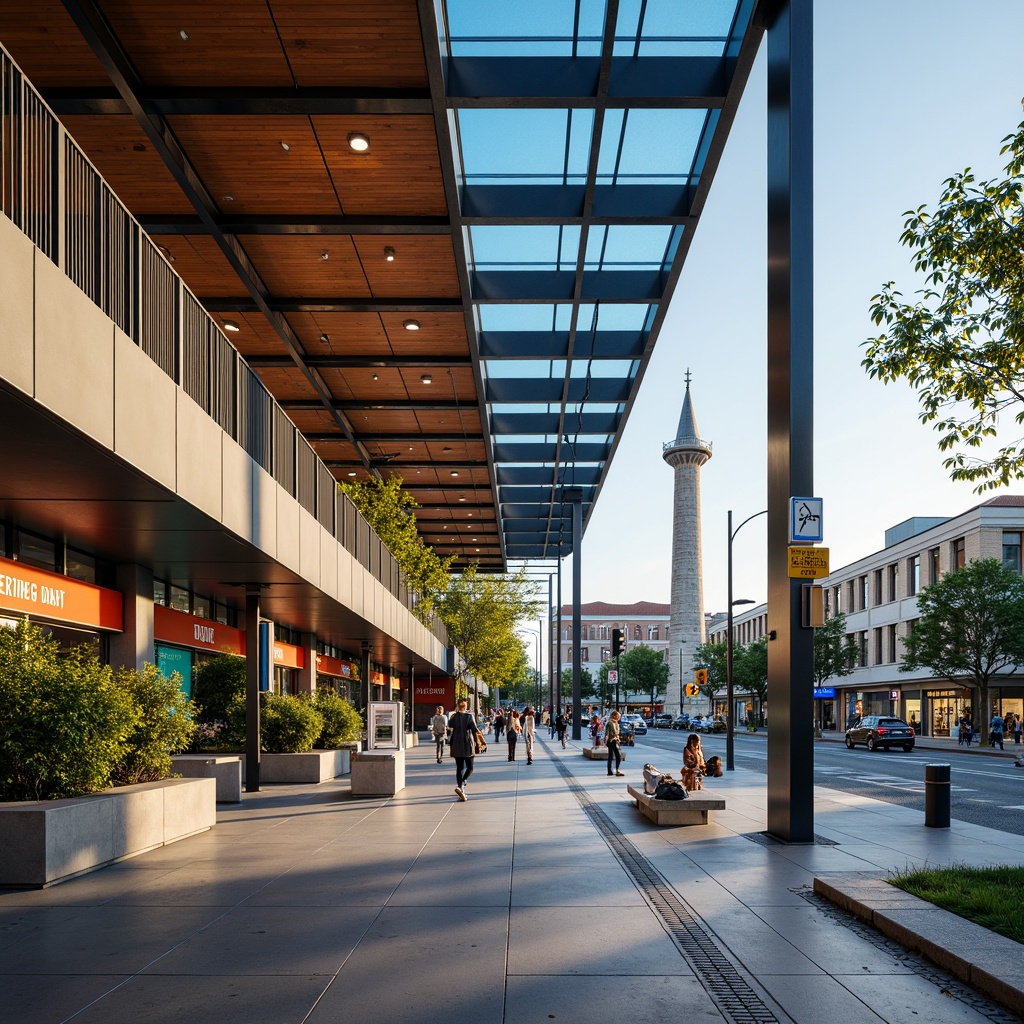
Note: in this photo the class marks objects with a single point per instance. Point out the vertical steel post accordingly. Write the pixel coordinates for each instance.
(790, 411)
(252, 690)
(730, 745)
(576, 497)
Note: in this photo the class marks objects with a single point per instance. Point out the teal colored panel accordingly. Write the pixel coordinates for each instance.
(172, 659)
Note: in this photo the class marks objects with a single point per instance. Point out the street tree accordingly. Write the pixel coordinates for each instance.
(588, 690)
(971, 630)
(605, 689)
(714, 657)
(644, 671)
(960, 345)
(750, 673)
(390, 511)
(835, 652)
(481, 614)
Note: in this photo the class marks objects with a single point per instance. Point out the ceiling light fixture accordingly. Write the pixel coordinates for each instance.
(375, 377)
(427, 378)
(389, 253)
(358, 142)
(183, 34)
(411, 325)
(463, 498)
(325, 338)
(454, 472)
(286, 147)
(352, 474)
(227, 199)
(230, 325)
(325, 255)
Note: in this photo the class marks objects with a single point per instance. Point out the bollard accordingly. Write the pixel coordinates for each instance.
(936, 795)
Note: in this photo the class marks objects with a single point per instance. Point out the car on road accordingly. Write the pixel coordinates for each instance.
(880, 732)
(662, 721)
(638, 723)
(682, 721)
(713, 723)
(695, 723)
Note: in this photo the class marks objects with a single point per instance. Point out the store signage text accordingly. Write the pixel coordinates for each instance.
(32, 591)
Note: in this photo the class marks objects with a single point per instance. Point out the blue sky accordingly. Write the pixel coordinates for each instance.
(906, 94)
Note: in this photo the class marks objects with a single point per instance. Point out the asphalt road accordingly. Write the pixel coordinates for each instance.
(985, 790)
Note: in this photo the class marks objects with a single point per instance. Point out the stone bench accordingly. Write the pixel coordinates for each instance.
(596, 753)
(691, 811)
(226, 770)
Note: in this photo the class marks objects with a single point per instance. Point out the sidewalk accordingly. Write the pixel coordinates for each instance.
(544, 897)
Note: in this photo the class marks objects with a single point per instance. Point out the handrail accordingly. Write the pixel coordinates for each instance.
(52, 192)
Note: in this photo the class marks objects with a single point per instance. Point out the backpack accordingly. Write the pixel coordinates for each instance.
(669, 789)
(713, 767)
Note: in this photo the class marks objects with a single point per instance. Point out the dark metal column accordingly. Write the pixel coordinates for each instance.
(551, 658)
(412, 697)
(576, 497)
(558, 633)
(252, 690)
(790, 412)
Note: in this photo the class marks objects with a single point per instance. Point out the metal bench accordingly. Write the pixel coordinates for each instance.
(691, 811)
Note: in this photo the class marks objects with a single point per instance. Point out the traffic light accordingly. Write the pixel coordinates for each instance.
(700, 676)
(692, 689)
(618, 642)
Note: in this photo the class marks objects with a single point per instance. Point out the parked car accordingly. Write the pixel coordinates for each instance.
(713, 723)
(695, 723)
(880, 731)
(626, 732)
(662, 721)
(638, 723)
(682, 721)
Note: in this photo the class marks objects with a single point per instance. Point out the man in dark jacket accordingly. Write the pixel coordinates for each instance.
(462, 730)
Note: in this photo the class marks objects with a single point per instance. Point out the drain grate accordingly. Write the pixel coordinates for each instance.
(730, 992)
(767, 839)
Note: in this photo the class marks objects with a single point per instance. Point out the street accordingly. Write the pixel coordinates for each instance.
(985, 790)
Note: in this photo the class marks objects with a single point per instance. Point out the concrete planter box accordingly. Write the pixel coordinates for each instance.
(48, 841)
(378, 773)
(313, 767)
(226, 771)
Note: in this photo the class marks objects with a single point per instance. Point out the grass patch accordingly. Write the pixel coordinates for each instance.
(991, 897)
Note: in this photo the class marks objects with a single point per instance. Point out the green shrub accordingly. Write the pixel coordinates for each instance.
(64, 724)
(288, 725)
(164, 725)
(342, 723)
(217, 684)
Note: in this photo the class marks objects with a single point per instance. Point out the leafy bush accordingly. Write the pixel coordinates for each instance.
(64, 724)
(217, 683)
(342, 722)
(288, 725)
(163, 727)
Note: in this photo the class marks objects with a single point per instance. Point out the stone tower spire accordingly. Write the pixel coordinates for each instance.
(686, 454)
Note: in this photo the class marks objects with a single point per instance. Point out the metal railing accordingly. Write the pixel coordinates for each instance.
(52, 192)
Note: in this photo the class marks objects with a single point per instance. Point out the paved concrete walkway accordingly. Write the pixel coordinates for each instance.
(545, 897)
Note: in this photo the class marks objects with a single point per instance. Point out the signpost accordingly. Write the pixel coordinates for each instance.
(807, 563)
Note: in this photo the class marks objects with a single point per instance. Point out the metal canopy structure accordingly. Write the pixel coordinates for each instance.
(471, 299)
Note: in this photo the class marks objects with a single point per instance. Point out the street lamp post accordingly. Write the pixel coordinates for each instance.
(730, 763)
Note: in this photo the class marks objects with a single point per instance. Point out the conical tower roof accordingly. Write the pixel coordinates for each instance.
(687, 420)
(688, 441)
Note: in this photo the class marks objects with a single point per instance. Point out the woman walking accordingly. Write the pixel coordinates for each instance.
(513, 728)
(439, 730)
(613, 740)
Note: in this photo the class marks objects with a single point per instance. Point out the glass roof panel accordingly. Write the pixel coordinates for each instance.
(522, 316)
(536, 369)
(614, 316)
(630, 246)
(533, 28)
(672, 29)
(622, 368)
(647, 146)
(519, 247)
(524, 146)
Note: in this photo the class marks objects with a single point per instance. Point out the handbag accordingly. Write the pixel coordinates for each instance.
(481, 743)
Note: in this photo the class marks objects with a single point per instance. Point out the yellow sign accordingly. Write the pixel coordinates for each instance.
(807, 563)
(700, 676)
(692, 689)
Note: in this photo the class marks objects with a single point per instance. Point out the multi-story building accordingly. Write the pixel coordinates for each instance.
(878, 596)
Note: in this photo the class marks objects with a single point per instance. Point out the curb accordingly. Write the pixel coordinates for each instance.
(954, 943)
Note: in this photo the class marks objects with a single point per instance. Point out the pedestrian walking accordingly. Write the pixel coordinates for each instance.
(1018, 727)
(499, 725)
(613, 741)
(512, 732)
(439, 730)
(529, 730)
(551, 723)
(963, 733)
(995, 730)
(462, 730)
(561, 728)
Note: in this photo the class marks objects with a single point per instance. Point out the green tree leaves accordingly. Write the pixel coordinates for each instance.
(960, 345)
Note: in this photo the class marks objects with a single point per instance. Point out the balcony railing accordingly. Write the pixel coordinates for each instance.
(52, 192)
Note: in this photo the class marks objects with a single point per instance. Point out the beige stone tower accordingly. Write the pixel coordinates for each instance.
(686, 454)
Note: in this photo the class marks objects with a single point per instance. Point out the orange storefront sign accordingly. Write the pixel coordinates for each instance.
(47, 595)
(185, 630)
(334, 666)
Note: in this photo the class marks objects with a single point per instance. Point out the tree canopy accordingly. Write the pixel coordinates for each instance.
(961, 344)
(835, 653)
(390, 512)
(971, 628)
(644, 671)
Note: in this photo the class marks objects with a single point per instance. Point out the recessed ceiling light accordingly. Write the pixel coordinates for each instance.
(230, 325)
(351, 474)
(411, 325)
(375, 377)
(427, 378)
(358, 142)
(462, 498)
(325, 255)
(325, 338)
(227, 199)
(469, 515)
(183, 34)
(286, 147)
(454, 472)
(389, 253)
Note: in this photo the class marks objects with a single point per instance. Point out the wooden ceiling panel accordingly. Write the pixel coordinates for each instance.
(399, 174)
(132, 168)
(286, 384)
(256, 337)
(450, 421)
(294, 265)
(347, 333)
(243, 157)
(46, 45)
(229, 43)
(441, 334)
(376, 44)
(383, 421)
(314, 421)
(202, 266)
(423, 265)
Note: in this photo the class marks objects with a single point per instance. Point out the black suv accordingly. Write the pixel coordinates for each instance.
(876, 731)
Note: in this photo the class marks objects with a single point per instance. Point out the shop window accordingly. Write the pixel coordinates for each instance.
(201, 606)
(80, 566)
(159, 592)
(913, 575)
(178, 599)
(893, 580)
(37, 551)
(1011, 552)
(957, 554)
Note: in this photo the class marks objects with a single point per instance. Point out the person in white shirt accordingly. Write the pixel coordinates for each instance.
(529, 728)
(439, 729)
